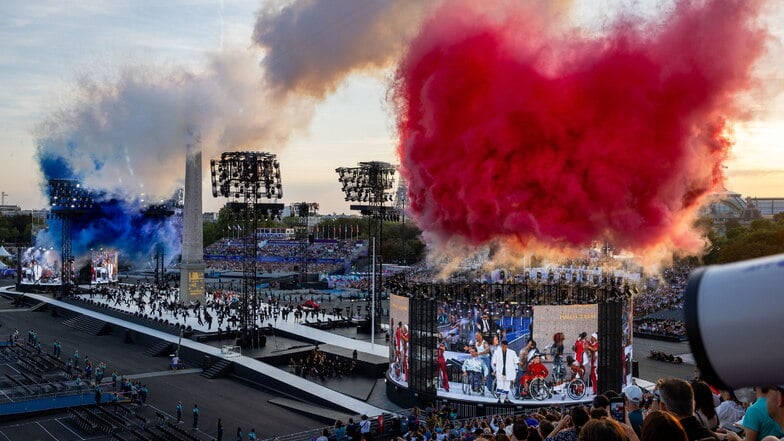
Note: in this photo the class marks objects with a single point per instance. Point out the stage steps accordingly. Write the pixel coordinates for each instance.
(217, 370)
(161, 349)
(39, 306)
(90, 325)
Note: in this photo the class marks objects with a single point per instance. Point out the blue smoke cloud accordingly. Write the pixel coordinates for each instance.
(113, 223)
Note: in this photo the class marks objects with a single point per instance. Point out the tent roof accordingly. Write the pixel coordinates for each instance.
(4, 252)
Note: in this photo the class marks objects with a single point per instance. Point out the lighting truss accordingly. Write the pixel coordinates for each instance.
(68, 196)
(67, 200)
(371, 184)
(368, 182)
(247, 178)
(246, 175)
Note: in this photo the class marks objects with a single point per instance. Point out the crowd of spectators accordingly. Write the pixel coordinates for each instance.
(660, 327)
(289, 251)
(318, 364)
(665, 293)
(673, 410)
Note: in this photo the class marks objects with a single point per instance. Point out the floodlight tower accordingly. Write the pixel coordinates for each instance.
(371, 183)
(303, 211)
(247, 178)
(67, 200)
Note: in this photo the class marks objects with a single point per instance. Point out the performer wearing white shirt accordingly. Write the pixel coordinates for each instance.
(505, 369)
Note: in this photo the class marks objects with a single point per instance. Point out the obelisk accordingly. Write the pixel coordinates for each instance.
(192, 263)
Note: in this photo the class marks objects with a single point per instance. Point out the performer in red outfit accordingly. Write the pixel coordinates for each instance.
(442, 373)
(579, 347)
(592, 347)
(535, 370)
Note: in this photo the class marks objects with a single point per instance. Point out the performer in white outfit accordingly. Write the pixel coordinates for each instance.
(505, 369)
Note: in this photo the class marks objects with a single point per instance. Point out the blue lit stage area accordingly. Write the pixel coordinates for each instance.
(427, 316)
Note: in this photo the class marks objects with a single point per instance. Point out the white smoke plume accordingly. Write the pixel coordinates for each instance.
(127, 135)
(312, 45)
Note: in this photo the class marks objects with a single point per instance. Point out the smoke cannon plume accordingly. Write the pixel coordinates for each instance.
(509, 131)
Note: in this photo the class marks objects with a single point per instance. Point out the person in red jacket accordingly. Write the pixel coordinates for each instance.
(535, 370)
(579, 352)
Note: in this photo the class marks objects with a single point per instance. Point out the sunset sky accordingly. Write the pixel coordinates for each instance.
(49, 47)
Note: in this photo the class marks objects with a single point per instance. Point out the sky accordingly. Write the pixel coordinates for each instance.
(55, 53)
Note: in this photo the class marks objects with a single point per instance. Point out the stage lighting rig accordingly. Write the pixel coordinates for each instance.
(247, 178)
(68, 199)
(371, 183)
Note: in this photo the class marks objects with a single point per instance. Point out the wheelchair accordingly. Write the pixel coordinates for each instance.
(538, 389)
(396, 371)
(576, 388)
(474, 384)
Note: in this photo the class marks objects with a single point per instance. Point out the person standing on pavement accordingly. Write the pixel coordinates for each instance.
(179, 411)
(195, 417)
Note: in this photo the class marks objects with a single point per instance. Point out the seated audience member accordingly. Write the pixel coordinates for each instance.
(633, 397)
(775, 402)
(568, 428)
(730, 410)
(705, 410)
(757, 424)
(659, 425)
(677, 397)
(603, 429)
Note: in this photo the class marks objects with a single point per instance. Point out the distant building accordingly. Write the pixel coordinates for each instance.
(769, 207)
(10, 210)
(730, 206)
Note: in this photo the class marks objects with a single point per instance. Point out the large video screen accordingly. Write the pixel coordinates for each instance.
(103, 266)
(41, 266)
(398, 329)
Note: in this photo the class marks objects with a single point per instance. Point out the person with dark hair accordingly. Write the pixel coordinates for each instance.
(677, 397)
(757, 423)
(601, 402)
(519, 430)
(568, 428)
(603, 429)
(775, 404)
(660, 425)
(545, 428)
(705, 412)
(339, 431)
(556, 351)
(730, 410)
(598, 413)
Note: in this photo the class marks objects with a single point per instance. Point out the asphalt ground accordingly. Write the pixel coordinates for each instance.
(237, 404)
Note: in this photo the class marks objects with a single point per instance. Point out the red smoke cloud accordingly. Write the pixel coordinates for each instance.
(509, 132)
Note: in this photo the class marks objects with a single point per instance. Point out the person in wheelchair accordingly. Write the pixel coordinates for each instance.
(575, 367)
(535, 370)
(475, 370)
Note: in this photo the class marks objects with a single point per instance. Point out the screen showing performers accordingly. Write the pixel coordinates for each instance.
(398, 329)
(41, 266)
(104, 266)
